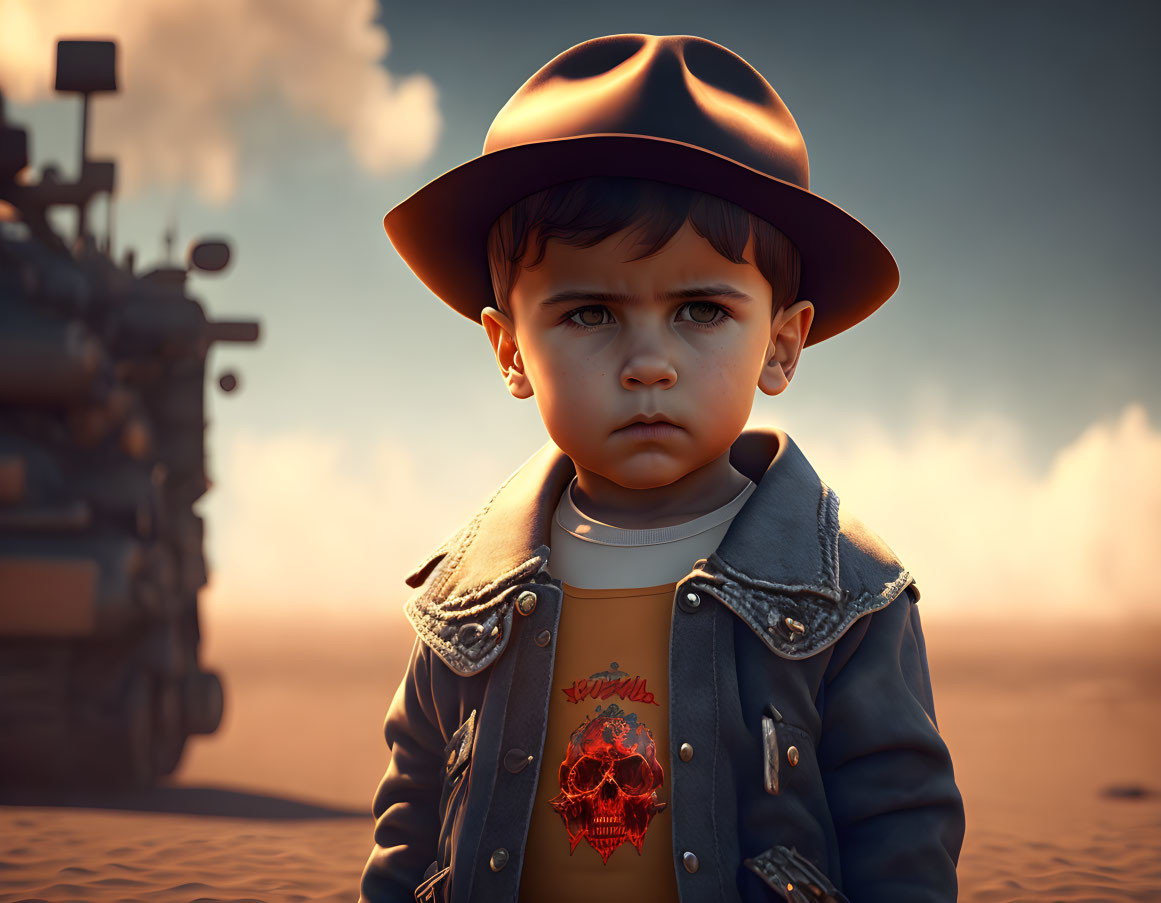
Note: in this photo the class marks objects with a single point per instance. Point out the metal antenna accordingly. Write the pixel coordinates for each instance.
(170, 235)
(82, 211)
(86, 68)
(109, 226)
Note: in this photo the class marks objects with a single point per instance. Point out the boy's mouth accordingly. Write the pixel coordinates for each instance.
(652, 426)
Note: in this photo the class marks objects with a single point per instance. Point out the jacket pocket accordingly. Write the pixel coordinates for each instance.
(784, 747)
(793, 783)
(794, 877)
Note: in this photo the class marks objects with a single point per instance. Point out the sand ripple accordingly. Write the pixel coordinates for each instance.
(1118, 861)
(60, 855)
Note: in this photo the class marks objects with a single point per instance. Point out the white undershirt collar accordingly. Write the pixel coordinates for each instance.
(574, 521)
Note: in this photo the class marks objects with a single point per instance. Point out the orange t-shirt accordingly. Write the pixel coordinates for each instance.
(601, 826)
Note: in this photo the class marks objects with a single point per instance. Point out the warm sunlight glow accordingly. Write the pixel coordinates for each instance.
(314, 524)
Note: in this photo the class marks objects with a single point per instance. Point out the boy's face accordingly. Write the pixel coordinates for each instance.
(680, 338)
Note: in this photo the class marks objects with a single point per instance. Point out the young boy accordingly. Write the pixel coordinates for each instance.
(662, 663)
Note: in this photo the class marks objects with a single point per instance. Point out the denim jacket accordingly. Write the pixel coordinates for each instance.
(816, 770)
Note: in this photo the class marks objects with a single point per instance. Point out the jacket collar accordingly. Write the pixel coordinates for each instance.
(777, 562)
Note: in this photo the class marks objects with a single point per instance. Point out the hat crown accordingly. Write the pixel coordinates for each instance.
(675, 87)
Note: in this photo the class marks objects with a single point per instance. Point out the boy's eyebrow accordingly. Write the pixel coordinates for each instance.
(721, 290)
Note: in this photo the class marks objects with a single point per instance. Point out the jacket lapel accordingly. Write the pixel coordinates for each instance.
(460, 612)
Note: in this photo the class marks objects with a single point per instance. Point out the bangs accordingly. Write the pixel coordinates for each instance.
(585, 212)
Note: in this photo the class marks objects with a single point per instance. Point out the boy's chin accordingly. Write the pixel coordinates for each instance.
(642, 474)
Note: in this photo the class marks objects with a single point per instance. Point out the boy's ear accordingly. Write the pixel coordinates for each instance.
(502, 334)
(788, 332)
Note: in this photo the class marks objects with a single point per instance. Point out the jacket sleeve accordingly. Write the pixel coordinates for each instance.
(898, 815)
(406, 804)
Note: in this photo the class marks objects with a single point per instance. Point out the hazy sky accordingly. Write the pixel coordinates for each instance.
(1004, 152)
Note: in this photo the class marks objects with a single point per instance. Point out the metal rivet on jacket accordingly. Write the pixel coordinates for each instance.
(469, 634)
(690, 602)
(686, 752)
(543, 637)
(689, 860)
(526, 602)
(516, 760)
(792, 755)
(499, 859)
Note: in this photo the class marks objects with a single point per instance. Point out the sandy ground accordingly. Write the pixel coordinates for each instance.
(1056, 735)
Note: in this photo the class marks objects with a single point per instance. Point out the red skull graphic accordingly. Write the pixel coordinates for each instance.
(608, 783)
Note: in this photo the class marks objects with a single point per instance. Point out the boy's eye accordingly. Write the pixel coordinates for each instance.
(590, 316)
(701, 312)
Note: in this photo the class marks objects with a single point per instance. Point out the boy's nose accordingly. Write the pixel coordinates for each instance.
(648, 370)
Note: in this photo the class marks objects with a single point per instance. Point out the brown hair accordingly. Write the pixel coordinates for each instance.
(585, 212)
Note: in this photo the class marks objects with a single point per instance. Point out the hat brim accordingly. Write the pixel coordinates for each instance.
(441, 230)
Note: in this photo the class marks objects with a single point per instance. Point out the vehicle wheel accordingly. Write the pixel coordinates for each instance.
(168, 726)
(118, 748)
(203, 702)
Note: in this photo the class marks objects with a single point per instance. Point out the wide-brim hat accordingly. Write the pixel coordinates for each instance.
(672, 108)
